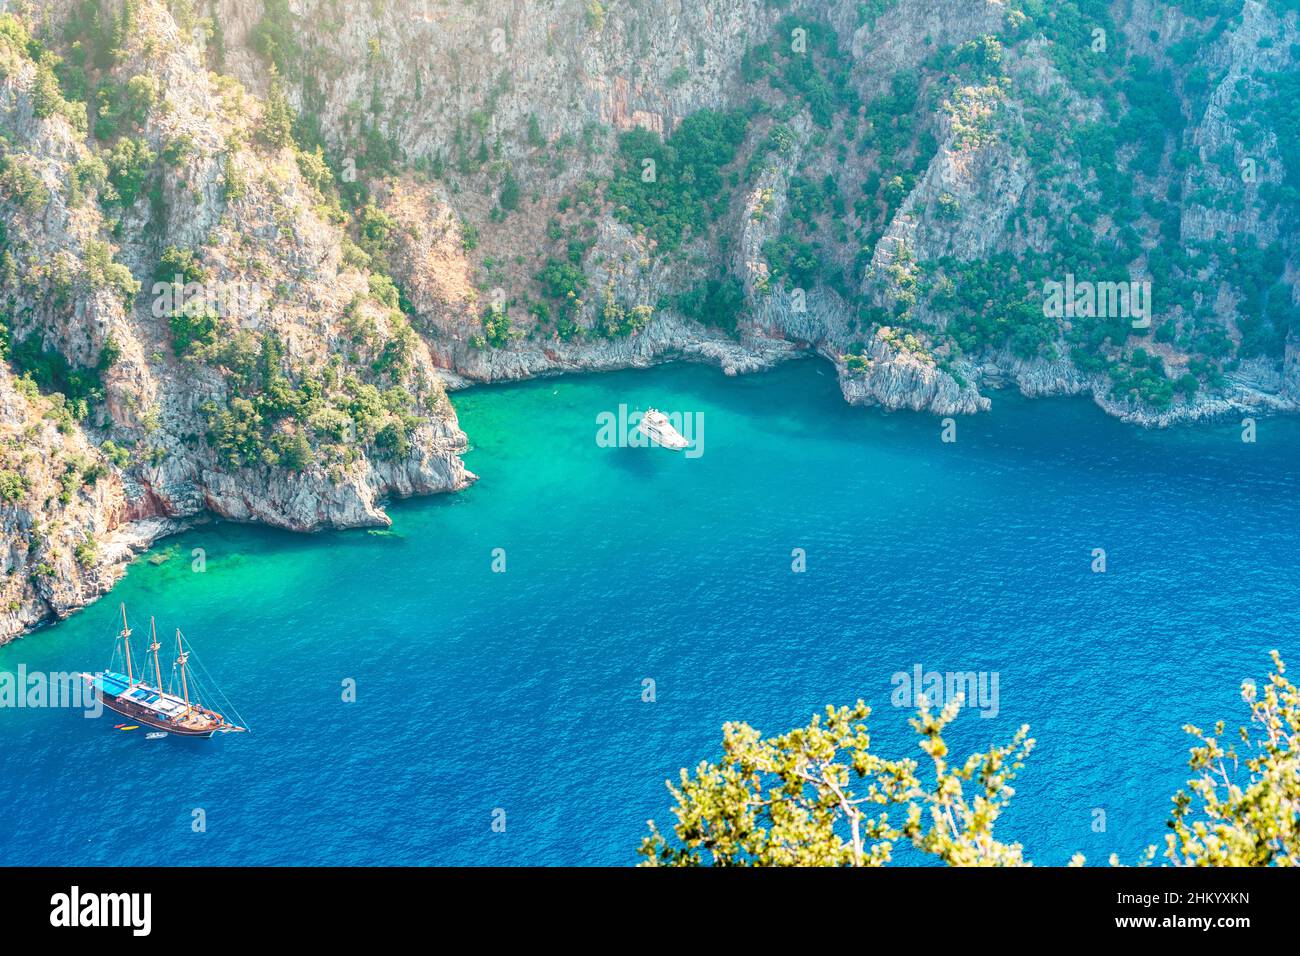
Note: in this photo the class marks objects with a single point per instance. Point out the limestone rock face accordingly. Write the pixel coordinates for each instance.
(84, 488)
(897, 378)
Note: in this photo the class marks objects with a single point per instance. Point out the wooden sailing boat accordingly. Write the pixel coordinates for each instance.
(155, 706)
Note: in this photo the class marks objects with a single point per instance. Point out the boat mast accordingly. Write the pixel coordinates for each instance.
(184, 656)
(126, 643)
(154, 647)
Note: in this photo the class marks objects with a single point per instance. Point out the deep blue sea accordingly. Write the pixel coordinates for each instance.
(521, 691)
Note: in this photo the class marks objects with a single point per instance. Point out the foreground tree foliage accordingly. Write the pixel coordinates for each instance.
(1244, 805)
(818, 796)
(788, 800)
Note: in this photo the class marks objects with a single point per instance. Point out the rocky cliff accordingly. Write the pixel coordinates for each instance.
(248, 244)
(189, 330)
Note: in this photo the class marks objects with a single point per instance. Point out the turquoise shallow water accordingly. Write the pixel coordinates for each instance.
(522, 691)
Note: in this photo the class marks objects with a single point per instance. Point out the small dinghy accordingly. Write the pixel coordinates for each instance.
(154, 736)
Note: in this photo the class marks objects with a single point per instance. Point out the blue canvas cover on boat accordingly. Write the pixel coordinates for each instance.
(115, 684)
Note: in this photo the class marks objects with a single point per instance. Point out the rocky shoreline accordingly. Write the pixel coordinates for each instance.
(895, 381)
(309, 506)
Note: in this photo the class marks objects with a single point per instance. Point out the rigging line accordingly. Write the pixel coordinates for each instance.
(210, 681)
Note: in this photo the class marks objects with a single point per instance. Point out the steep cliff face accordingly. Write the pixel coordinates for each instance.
(248, 243)
(886, 144)
(190, 331)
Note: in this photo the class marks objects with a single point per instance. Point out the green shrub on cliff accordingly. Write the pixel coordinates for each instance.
(617, 320)
(673, 189)
(118, 455)
(74, 388)
(281, 414)
(1141, 377)
(89, 174)
(276, 128)
(129, 162)
(508, 197)
(296, 452)
(276, 37)
(178, 265)
(497, 328)
(793, 263)
(86, 551)
(12, 486)
(191, 328)
(562, 280)
(717, 301)
(803, 60)
(103, 272)
(20, 183)
(236, 432)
